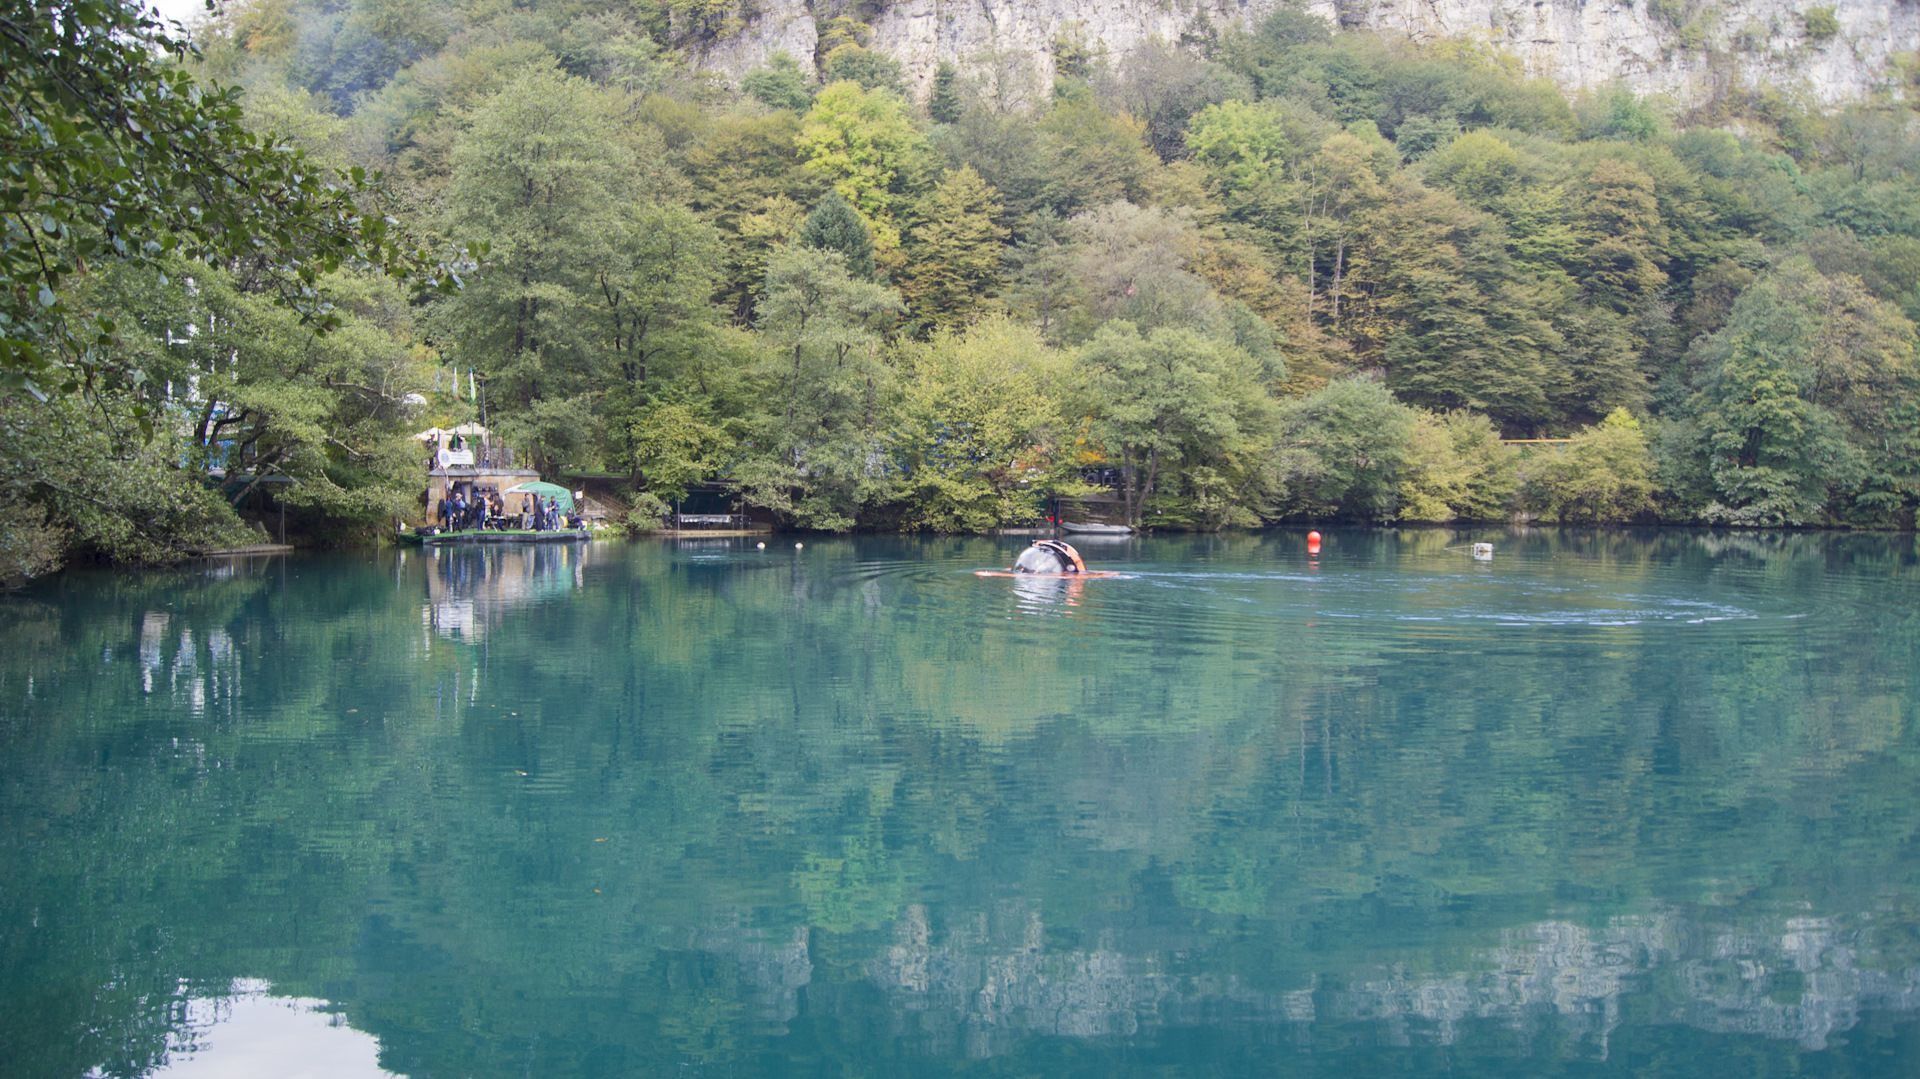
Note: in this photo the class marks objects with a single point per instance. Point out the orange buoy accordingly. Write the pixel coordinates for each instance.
(1313, 543)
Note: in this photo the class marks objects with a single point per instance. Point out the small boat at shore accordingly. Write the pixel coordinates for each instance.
(477, 536)
(1089, 529)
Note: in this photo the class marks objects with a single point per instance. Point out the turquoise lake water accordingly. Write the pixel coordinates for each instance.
(1612, 803)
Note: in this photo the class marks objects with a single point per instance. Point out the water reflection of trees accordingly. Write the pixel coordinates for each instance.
(961, 842)
(989, 980)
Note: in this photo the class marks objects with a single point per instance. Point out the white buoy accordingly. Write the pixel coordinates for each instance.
(762, 546)
(797, 546)
(1483, 552)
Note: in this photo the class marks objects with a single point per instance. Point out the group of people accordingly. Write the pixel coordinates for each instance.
(546, 515)
(461, 513)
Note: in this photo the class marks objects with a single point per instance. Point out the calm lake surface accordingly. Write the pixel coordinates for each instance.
(1609, 804)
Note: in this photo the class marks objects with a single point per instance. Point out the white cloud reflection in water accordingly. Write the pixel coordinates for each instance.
(252, 1033)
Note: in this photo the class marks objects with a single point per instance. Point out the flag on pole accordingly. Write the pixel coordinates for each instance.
(472, 394)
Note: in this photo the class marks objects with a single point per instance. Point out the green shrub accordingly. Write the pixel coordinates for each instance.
(1457, 469)
(1820, 24)
(1671, 12)
(30, 544)
(648, 513)
(1605, 475)
(779, 85)
(1072, 56)
(872, 70)
(1341, 451)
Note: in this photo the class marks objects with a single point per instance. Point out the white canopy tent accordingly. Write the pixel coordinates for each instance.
(465, 430)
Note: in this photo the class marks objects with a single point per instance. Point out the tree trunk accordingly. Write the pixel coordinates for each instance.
(1306, 232)
(206, 417)
(793, 388)
(259, 474)
(1339, 268)
(1153, 471)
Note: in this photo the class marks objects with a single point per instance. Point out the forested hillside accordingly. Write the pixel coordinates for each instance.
(1244, 278)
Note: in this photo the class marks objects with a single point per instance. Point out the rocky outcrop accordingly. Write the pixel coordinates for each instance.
(1687, 49)
(1019, 37)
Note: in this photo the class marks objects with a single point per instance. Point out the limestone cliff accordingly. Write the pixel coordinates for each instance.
(1827, 53)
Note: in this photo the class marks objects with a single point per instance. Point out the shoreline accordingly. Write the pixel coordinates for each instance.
(387, 540)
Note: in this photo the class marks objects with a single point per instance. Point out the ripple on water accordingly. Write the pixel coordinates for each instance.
(1187, 607)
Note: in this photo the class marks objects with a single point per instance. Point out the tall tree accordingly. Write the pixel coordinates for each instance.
(747, 179)
(1040, 277)
(655, 308)
(835, 226)
(1005, 148)
(1340, 450)
(817, 439)
(1773, 407)
(1619, 227)
(1132, 264)
(1165, 86)
(1093, 159)
(545, 176)
(954, 254)
(1343, 187)
(1433, 290)
(944, 105)
(865, 144)
(1172, 396)
(856, 64)
(984, 425)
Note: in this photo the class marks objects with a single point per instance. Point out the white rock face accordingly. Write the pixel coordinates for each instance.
(1577, 43)
(1585, 43)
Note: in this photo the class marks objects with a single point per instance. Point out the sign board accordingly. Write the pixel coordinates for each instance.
(451, 458)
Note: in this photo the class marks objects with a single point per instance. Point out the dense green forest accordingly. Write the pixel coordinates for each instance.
(1246, 277)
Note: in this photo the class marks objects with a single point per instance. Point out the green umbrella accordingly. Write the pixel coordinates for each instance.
(543, 490)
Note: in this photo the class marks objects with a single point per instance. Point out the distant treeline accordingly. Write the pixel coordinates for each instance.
(1269, 275)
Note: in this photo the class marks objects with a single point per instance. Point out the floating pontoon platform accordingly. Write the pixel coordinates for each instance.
(480, 536)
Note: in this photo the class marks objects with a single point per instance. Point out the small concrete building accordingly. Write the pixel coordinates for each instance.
(443, 483)
(466, 461)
